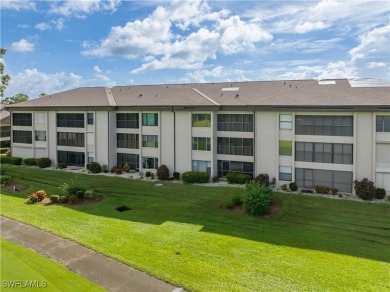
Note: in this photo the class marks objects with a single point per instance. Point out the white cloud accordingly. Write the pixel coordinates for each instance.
(338, 70)
(157, 43)
(376, 65)
(82, 8)
(17, 5)
(32, 82)
(199, 75)
(99, 75)
(308, 26)
(374, 43)
(57, 24)
(22, 46)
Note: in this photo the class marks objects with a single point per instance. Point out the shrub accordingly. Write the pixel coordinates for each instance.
(30, 161)
(152, 175)
(4, 179)
(334, 191)
(105, 168)
(62, 165)
(238, 178)
(364, 189)
(263, 178)
(126, 167)
(215, 178)
(54, 199)
(43, 162)
(90, 194)
(195, 177)
(273, 182)
(176, 175)
(72, 189)
(284, 187)
(229, 204)
(4, 150)
(380, 193)
(322, 189)
(80, 195)
(236, 199)
(148, 174)
(293, 186)
(63, 199)
(37, 197)
(72, 199)
(2, 171)
(116, 170)
(257, 198)
(95, 167)
(162, 172)
(11, 160)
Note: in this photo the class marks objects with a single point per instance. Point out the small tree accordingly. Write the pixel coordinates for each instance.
(257, 198)
(163, 172)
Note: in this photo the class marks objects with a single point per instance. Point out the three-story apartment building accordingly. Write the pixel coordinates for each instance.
(311, 132)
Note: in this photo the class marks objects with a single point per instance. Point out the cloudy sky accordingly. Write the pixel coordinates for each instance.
(57, 45)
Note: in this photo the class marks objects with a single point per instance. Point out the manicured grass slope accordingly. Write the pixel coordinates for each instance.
(21, 264)
(180, 234)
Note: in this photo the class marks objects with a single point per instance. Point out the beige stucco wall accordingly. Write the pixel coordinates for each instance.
(363, 127)
(166, 140)
(183, 141)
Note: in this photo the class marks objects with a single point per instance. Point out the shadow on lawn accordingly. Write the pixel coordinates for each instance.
(335, 226)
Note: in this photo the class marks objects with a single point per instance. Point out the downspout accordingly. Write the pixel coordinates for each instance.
(254, 142)
(174, 140)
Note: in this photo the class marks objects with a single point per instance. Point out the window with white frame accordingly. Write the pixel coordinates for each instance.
(285, 121)
(201, 166)
(285, 173)
(91, 157)
(40, 135)
(149, 162)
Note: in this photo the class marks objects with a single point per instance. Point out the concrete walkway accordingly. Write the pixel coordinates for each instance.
(104, 271)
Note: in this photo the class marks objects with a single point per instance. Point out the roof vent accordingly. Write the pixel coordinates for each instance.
(230, 89)
(326, 82)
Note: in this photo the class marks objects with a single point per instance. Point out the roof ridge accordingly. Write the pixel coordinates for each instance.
(110, 97)
(205, 96)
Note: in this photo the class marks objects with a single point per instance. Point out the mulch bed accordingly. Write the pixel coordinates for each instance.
(18, 187)
(276, 204)
(46, 202)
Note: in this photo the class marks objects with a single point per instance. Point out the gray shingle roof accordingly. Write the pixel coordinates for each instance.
(256, 93)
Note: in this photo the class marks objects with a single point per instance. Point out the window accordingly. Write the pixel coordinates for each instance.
(90, 118)
(127, 121)
(225, 167)
(201, 143)
(324, 152)
(324, 125)
(40, 117)
(201, 120)
(285, 147)
(40, 135)
(383, 124)
(149, 162)
(70, 139)
(235, 123)
(235, 146)
(24, 137)
(150, 119)
(70, 120)
(201, 166)
(5, 131)
(131, 159)
(91, 157)
(150, 141)
(71, 158)
(127, 141)
(19, 119)
(285, 122)
(285, 173)
(309, 178)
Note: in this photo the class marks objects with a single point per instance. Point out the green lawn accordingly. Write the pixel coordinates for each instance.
(24, 268)
(180, 234)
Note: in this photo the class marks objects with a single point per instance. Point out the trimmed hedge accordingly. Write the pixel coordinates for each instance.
(162, 172)
(11, 160)
(380, 193)
(195, 177)
(238, 178)
(4, 150)
(30, 161)
(95, 167)
(43, 162)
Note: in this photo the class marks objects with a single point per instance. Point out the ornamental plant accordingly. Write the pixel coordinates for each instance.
(365, 189)
(257, 198)
(162, 172)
